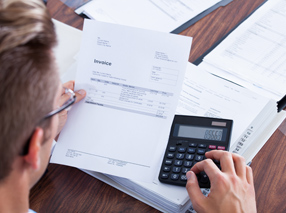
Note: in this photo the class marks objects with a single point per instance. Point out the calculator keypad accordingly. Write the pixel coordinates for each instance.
(180, 157)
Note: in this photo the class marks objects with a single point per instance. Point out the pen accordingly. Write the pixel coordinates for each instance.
(281, 104)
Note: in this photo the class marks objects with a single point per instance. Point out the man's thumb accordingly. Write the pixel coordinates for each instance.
(194, 190)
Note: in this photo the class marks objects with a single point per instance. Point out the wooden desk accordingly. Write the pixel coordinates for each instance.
(66, 189)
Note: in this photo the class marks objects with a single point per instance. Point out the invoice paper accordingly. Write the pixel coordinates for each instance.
(159, 15)
(133, 78)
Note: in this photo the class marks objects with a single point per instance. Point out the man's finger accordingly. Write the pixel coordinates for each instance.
(249, 175)
(69, 85)
(240, 165)
(64, 98)
(208, 166)
(80, 94)
(194, 190)
(225, 159)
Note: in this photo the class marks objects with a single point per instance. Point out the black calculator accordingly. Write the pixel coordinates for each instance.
(190, 138)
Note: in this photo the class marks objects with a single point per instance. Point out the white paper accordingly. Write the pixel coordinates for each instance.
(133, 78)
(68, 45)
(256, 51)
(159, 15)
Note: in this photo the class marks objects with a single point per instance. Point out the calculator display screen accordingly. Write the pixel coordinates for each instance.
(206, 133)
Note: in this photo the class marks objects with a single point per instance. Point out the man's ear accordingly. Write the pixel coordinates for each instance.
(33, 156)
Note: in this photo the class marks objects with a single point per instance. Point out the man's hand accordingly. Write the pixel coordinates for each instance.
(63, 115)
(232, 188)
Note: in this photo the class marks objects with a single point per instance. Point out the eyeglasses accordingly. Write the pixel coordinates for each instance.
(66, 106)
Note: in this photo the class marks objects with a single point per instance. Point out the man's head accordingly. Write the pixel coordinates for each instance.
(29, 80)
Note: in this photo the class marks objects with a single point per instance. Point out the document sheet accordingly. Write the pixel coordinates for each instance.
(159, 15)
(68, 45)
(133, 78)
(253, 55)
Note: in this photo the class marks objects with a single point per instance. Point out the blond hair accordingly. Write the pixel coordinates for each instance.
(28, 76)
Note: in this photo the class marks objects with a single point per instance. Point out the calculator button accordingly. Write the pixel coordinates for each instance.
(216, 161)
(188, 163)
(203, 178)
(164, 176)
(185, 170)
(166, 168)
(201, 151)
(221, 148)
(177, 169)
(168, 162)
(172, 148)
(190, 157)
(212, 147)
(178, 162)
(180, 156)
(199, 158)
(179, 143)
(182, 149)
(183, 177)
(191, 150)
(174, 176)
(202, 145)
(170, 155)
(192, 144)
